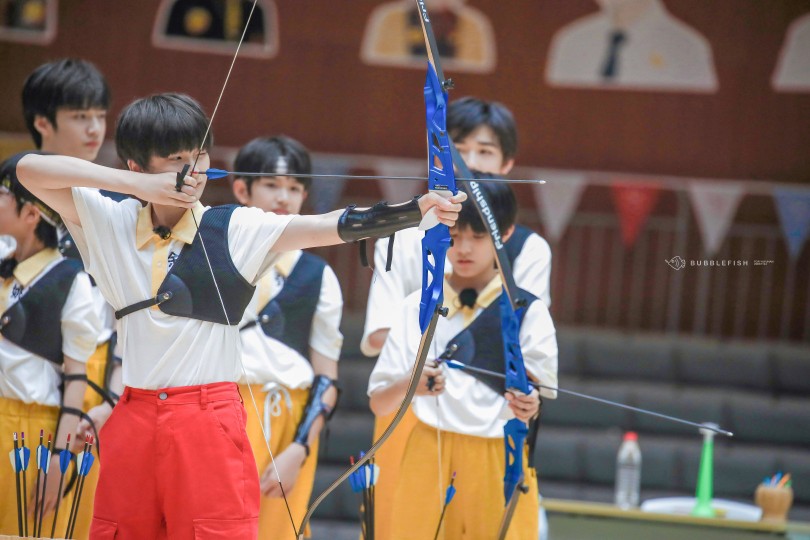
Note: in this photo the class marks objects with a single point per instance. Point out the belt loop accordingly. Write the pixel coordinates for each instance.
(125, 397)
(203, 397)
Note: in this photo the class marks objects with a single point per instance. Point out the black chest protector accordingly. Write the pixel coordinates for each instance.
(34, 322)
(481, 343)
(288, 317)
(515, 243)
(189, 290)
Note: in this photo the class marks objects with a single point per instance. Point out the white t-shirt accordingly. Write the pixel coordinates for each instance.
(266, 359)
(30, 378)
(467, 405)
(162, 350)
(531, 269)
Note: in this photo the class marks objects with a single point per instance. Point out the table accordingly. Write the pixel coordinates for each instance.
(578, 520)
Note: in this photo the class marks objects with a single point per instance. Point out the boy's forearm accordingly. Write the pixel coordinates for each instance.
(38, 173)
(385, 400)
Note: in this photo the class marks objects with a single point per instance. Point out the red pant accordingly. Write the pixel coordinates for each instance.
(177, 464)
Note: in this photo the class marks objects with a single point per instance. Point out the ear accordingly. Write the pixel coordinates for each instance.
(505, 236)
(30, 214)
(304, 197)
(134, 167)
(43, 126)
(240, 191)
(507, 166)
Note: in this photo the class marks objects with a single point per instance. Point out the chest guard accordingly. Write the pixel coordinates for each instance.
(481, 343)
(34, 322)
(515, 243)
(189, 290)
(288, 317)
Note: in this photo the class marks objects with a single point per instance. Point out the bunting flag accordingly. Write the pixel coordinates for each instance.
(557, 199)
(634, 201)
(397, 191)
(793, 206)
(325, 193)
(715, 205)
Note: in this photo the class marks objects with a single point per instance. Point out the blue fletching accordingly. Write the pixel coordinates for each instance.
(25, 456)
(454, 364)
(65, 457)
(87, 463)
(44, 457)
(356, 480)
(213, 173)
(451, 492)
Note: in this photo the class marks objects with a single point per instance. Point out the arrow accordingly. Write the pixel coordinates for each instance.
(458, 365)
(84, 461)
(215, 174)
(65, 457)
(14, 456)
(43, 462)
(448, 496)
(25, 456)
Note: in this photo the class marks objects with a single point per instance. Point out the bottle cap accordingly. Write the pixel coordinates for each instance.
(631, 436)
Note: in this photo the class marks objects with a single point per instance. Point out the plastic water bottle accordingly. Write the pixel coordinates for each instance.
(628, 472)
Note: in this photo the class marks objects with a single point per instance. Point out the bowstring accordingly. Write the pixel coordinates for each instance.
(211, 269)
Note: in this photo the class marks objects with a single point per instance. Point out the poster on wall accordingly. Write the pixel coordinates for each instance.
(792, 72)
(28, 21)
(215, 26)
(631, 45)
(464, 35)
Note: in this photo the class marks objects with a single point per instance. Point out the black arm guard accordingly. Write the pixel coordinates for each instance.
(379, 221)
(314, 408)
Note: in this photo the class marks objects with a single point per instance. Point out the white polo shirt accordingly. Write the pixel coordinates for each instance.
(118, 249)
(467, 405)
(25, 376)
(531, 269)
(266, 359)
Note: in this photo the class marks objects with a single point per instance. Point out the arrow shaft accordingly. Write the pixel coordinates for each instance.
(367, 177)
(465, 367)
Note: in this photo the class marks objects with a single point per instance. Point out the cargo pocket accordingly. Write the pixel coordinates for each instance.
(101, 529)
(226, 529)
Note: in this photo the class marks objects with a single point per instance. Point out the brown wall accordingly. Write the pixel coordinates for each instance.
(318, 90)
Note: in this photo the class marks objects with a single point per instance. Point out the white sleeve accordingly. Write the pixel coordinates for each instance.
(105, 224)
(81, 325)
(532, 268)
(389, 289)
(251, 235)
(398, 353)
(326, 337)
(538, 343)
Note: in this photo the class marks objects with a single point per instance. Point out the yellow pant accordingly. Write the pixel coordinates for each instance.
(274, 521)
(388, 458)
(28, 418)
(96, 369)
(476, 511)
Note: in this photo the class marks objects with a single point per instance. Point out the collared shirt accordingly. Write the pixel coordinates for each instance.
(657, 51)
(467, 405)
(121, 252)
(268, 360)
(531, 269)
(30, 378)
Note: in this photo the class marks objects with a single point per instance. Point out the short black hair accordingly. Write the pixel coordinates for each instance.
(160, 125)
(69, 83)
(467, 114)
(49, 219)
(265, 155)
(502, 202)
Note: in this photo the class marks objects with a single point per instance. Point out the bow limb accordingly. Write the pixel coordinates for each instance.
(515, 430)
(416, 374)
(441, 178)
(180, 177)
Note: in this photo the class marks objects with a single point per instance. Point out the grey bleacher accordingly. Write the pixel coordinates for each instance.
(759, 391)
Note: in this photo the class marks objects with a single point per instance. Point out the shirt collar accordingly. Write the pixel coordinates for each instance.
(27, 270)
(487, 295)
(185, 230)
(286, 263)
